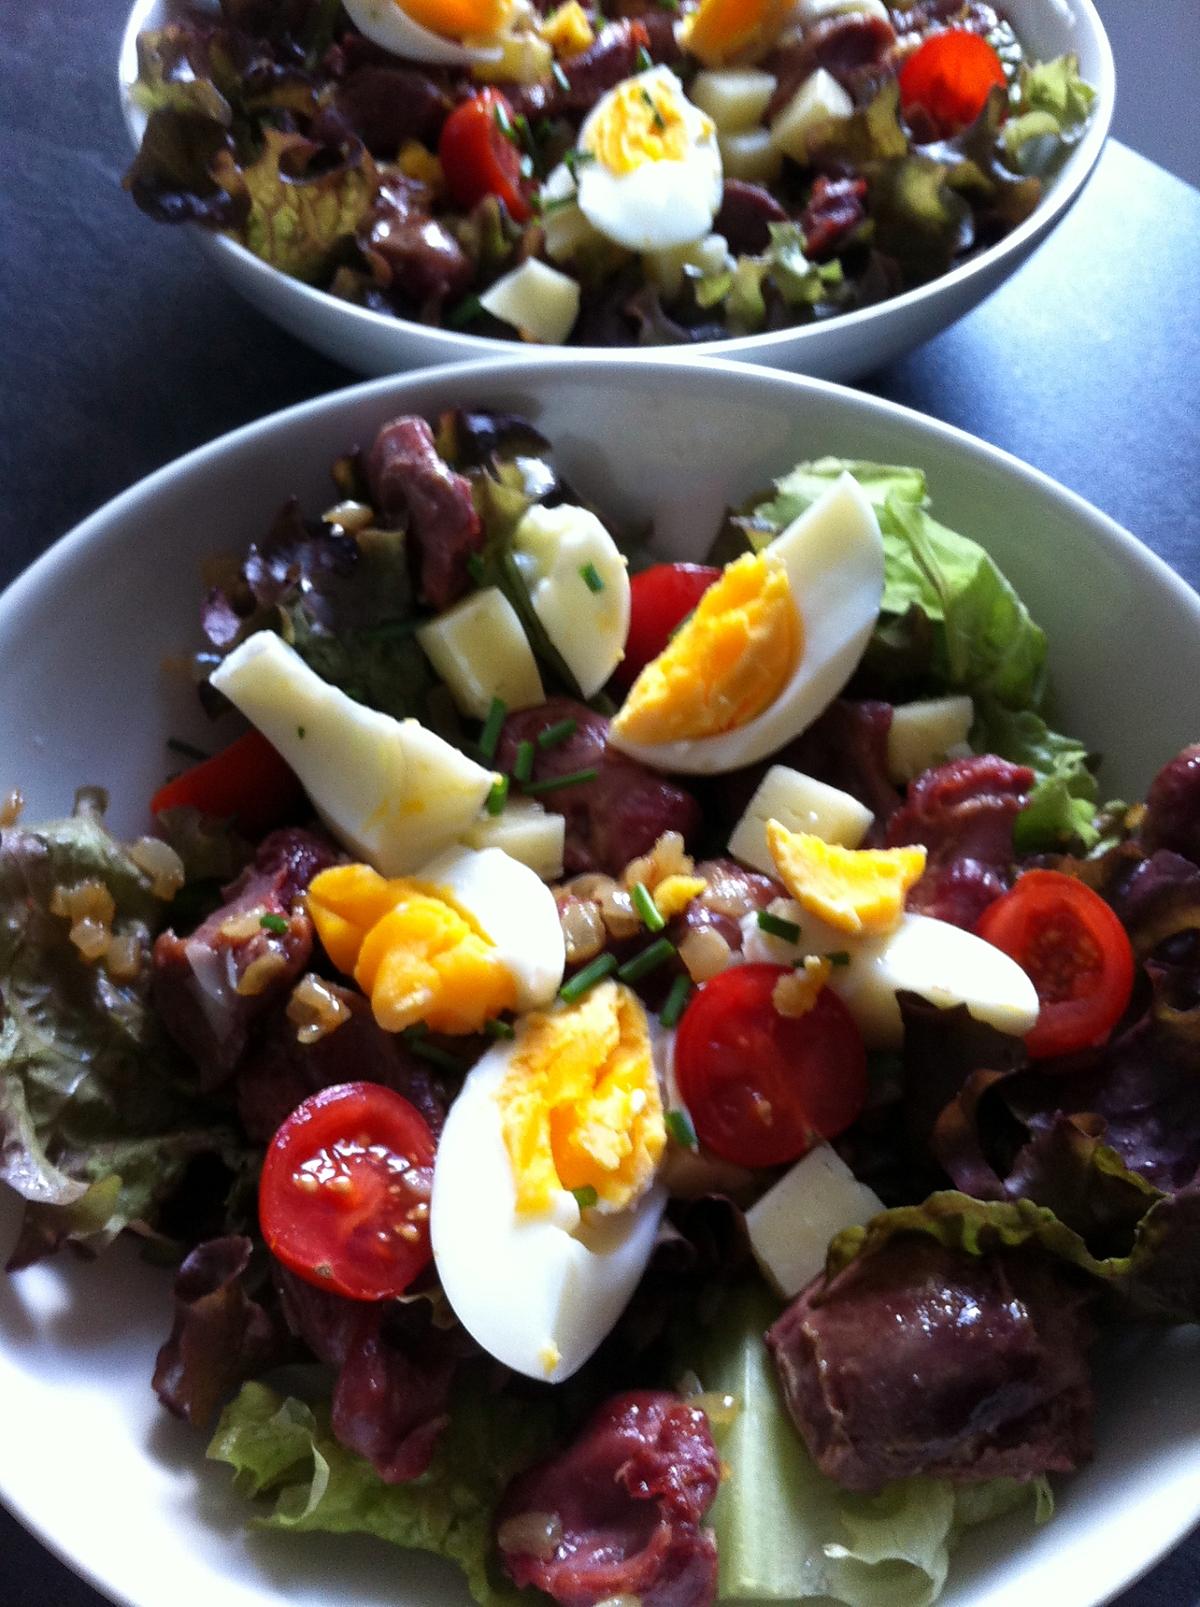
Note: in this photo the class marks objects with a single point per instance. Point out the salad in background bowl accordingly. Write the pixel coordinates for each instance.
(316, 627)
(816, 186)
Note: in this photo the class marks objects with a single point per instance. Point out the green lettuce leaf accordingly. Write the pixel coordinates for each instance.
(784, 1531)
(284, 1450)
(1062, 806)
(97, 1126)
(1053, 110)
(299, 222)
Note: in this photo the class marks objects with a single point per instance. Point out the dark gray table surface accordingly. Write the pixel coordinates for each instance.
(119, 351)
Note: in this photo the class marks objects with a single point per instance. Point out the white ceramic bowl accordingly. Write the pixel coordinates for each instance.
(372, 343)
(127, 1497)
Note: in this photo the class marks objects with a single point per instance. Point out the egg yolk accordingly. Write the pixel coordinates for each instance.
(415, 953)
(725, 665)
(457, 19)
(644, 121)
(580, 1105)
(857, 890)
(719, 30)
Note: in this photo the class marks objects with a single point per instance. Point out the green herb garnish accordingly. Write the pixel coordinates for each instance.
(776, 926)
(583, 981)
(273, 923)
(585, 1197)
(678, 1123)
(648, 960)
(498, 796)
(492, 726)
(556, 783)
(643, 902)
(592, 578)
(556, 733)
(523, 764)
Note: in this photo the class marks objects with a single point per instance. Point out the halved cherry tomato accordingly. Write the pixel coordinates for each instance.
(247, 782)
(763, 1088)
(1074, 950)
(660, 598)
(950, 77)
(478, 157)
(344, 1194)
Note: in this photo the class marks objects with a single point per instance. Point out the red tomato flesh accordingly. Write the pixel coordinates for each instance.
(1074, 950)
(344, 1194)
(246, 782)
(660, 599)
(762, 1088)
(950, 77)
(478, 157)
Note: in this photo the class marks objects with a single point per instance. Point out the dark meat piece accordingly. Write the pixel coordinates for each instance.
(280, 1071)
(963, 812)
(395, 1371)
(919, 1359)
(847, 748)
(409, 482)
(385, 106)
(611, 57)
(629, 1493)
(747, 211)
(732, 891)
(210, 989)
(220, 1335)
(616, 817)
(835, 209)
(410, 253)
(1172, 817)
(856, 49)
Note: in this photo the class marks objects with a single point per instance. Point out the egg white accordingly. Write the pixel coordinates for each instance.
(539, 1293)
(937, 961)
(551, 548)
(833, 554)
(515, 910)
(389, 26)
(659, 204)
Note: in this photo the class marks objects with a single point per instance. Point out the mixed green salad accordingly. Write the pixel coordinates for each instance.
(651, 1076)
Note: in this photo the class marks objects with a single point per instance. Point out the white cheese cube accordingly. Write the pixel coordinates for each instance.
(809, 12)
(537, 300)
(525, 831)
(481, 652)
(819, 102)
(791, 1226)
(734, 97)
(923, 734)
(800, 803)
(750, 154)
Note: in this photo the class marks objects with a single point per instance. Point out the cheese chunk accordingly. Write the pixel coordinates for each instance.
(791, 1226)
(538, 301)
(481, 652)
(923, 734)
(819, 102)
(734, 97)
(525, 831)
(800, 803)
(750, 154)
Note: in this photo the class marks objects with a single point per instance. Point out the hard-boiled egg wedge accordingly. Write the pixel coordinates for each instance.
(650, 174)
(579, 587)
(473, 934)
(449, 31)
(720, 30)
(939, 962)
(567, 1114)
(394, 793)
(768, 647)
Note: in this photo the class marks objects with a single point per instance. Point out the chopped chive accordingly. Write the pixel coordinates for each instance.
(575, 159)
(839, 957)
(592, 577)
(644, 59)
(557, 202)
(585, 1197)
(643, 903)
(776, 926)
(503, 120)
(648, 960)
(273, 923)
(659, 121)
(667, 5)
(557, 783)
(186, 750)
(490, 735)
(595, 971)
(467, 310)
(556, 733)
(527, 137)
(495, 1028)
(300, 732)
(475, 568)
(560, 78)
(678, 1123)
(498, 797)
(523, 764)
(681, 991)
(435, 1055)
